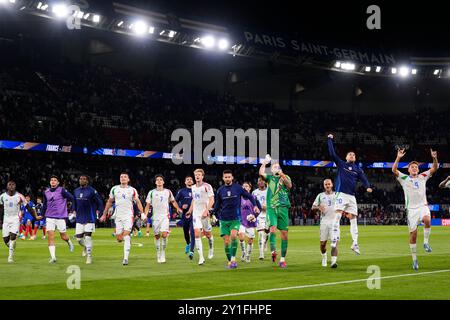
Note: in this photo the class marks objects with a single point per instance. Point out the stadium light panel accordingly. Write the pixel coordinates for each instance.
(367, 69)
(436, 72)
(337, 64)
(12, 1)
(377, 69)
(60, 10)
(172, 34)
(79, 14)
(96, 18)
(404, 71)
(151, 30)
(348, 66)
(223, 44)
(39, 5)
(44, 7)
(140, 27)
(86, 16)
(120, 23)
(414, 71)
(394, 70)
(208, 41)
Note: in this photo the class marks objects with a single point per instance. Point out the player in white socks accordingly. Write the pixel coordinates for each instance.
(202, 202)
(10, 203)
(159, 199)
(414, 187)
(324, 202)
(123, 196)
(261, 196)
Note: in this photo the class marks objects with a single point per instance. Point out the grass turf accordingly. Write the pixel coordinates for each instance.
(32, 277)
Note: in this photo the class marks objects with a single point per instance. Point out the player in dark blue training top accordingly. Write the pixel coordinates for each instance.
(87, 203)
(348, 175)
(184, 199)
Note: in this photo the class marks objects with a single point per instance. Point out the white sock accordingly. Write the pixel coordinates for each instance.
(164, 244)
(249, 249)
(282, 259)
(69, 243)
(413, 251)
(88, 244)
(335, 231)
(211, 242)
(158, 245)
(242, 242)
(333, 259)
(324, 255)
(261, 242)
(12, 246)
(81, 242)
(354, 229)
(52, 250)
(426, 235)
(199, 246)
(126, 246)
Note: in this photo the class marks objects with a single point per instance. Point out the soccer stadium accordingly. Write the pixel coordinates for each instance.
(165, 151)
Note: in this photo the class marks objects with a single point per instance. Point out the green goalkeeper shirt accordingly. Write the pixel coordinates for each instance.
(277, 192)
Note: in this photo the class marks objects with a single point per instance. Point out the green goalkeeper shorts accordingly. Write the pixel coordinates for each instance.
(227, 225)
(278, 217)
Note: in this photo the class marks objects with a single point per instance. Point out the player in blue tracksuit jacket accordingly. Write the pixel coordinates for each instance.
(348, 175)
(184, 199)
(227, 207)
(87, 203)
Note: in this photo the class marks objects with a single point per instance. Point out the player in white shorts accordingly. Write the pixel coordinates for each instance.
(324, 202)
(414, 187)
(10, 203)
(202, 202)
(159, 199)
(124, 196)
(261, 225)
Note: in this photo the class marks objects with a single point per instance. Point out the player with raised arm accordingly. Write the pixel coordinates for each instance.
(248, 223)
(159, 199)
(184, 199)
(228, 209)
(348, 175)
(10, 204)
(416, 204)
(55, 212)
(87, 203)
(278, 204)
(324, 203)
(445, 184)
(123, 196)
(202, 202)
(261, 226)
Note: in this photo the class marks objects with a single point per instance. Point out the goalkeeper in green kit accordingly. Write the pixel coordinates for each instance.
(278, 205)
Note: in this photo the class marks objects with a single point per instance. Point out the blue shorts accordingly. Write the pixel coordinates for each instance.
(26, 218)
(40, 223)
(149, 220)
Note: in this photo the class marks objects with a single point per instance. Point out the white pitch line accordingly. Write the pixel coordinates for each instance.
(317, 285)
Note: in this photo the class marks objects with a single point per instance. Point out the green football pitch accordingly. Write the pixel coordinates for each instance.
(385, 247)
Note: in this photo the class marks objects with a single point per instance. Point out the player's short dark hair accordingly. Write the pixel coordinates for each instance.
(128, 175)
(188, 176)
(159, 176)
(54, 177)
(11, 181)
(227, 171)
(86, 176)
(351, 151)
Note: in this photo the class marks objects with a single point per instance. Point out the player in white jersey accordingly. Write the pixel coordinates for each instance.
(324, 202)
(414, 187)
(445, 184)
(159, 199)
(124, 196)
(261, 227)
(202, 202)
(10, 203)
